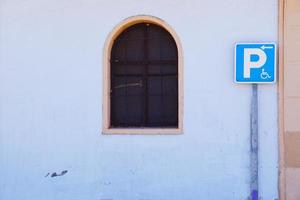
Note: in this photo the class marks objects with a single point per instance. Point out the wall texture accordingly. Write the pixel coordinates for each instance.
(51, 114)
(291, 98)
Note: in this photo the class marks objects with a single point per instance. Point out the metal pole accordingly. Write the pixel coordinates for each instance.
(254, 144)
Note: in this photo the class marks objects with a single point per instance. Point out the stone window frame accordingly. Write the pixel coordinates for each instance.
(106, 129)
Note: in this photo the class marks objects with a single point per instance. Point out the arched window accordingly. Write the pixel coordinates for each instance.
(143, 80)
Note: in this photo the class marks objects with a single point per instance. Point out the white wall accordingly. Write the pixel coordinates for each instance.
(51, 93)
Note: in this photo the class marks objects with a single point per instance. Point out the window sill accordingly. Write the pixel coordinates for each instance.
(142, 131)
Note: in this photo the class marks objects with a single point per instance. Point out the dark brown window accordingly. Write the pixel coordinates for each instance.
(144, 78)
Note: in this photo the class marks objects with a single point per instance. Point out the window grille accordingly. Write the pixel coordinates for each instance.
(144, 78)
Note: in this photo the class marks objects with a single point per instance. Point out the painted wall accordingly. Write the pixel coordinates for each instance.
(51, 114)
(291, 99)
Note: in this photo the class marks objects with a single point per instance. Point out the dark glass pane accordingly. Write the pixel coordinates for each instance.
(169, 85)
(144, 78)
(155, 112)
(119, 50)
(127, 69)
(134, 86)
(127, 111)
(117, 88)
(134, 115)
(169, 69)
(154, 69)
(129, 45)
(155, 31)
(155, 86)
(119, 110)
(170, 110)
(168, 49)
(134, 50)
(154, 48)
(162, 69)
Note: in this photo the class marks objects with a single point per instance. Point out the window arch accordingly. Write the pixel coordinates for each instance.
(142, 79)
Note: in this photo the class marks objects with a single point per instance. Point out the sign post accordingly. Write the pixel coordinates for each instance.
(254, 144)
(254, 63)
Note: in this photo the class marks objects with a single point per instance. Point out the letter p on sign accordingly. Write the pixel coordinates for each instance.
(255, 63)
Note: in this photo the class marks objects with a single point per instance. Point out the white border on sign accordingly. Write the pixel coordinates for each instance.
(275, 62)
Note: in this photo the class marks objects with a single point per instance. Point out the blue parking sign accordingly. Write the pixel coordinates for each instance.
(255, 63)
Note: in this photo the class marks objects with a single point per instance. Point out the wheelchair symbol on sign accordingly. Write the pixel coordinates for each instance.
(264, 74)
